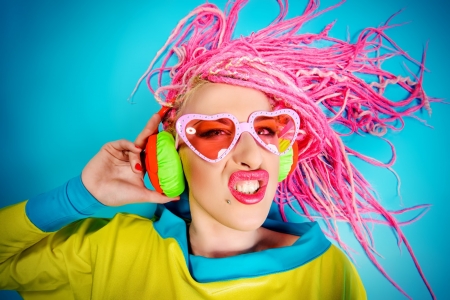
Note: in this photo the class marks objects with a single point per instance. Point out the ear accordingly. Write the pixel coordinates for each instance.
(164, 165)
(288, 162)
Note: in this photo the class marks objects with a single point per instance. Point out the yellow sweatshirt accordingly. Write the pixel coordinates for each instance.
(131, 257)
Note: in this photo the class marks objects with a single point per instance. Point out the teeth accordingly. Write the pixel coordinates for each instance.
(247, 186)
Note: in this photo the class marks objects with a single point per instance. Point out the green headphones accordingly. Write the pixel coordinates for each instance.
(165, 171)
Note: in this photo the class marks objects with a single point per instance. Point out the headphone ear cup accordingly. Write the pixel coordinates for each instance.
(164, 165)
(288, 162)
(151, 162)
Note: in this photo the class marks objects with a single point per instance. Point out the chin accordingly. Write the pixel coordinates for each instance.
(249, 217)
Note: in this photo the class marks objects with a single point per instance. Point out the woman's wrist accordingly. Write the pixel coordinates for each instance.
(52, 210)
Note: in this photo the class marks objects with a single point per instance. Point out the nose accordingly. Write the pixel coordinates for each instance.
(247, 152)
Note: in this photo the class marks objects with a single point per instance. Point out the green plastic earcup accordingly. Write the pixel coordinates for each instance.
(285, 164)
(170, 171)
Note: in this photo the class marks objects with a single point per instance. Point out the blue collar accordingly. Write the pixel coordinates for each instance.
(311, 245)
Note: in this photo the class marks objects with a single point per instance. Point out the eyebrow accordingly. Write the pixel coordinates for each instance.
(224, 121)
(266, 117)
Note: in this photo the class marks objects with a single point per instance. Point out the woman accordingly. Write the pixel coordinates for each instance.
(226, 245)
(248, 218)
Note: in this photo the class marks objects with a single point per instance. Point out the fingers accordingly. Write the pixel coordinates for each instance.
(121, 149)
(155, 197)
(137, 164)
(139, 194)
(150, 128)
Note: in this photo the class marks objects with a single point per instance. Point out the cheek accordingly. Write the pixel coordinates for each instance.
(186, 162)
(198, 172)
(272, 165)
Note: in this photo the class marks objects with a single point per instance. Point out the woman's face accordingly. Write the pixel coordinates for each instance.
(215, 187)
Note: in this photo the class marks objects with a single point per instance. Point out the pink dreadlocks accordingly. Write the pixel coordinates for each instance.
(316, 75)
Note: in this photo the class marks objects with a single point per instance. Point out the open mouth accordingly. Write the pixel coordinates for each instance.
(248, 187)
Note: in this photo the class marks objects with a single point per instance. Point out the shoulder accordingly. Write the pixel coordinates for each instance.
(337, 271)
(320, 262)
(337, 260)
(121, 225)
(127, 229)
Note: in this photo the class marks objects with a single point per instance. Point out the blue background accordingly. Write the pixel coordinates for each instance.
(67, 68)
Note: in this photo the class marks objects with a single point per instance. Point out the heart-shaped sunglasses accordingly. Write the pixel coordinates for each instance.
(213, 137)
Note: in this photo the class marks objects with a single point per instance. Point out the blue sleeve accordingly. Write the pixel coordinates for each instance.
(68, 203)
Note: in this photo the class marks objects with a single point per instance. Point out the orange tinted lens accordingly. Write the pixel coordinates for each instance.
(210, 138)
(276, 132)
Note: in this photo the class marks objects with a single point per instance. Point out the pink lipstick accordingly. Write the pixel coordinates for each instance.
(261, 176)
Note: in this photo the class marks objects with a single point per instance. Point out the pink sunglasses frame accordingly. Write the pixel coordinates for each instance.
(240, 128)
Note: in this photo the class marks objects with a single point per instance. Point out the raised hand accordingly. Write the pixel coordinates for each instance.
(141, 141)
(114, 176)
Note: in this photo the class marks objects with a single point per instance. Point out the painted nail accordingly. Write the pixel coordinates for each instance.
(138, 147)
(138, 167)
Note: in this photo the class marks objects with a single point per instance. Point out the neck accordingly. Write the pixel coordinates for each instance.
(216, 240)
(209, 237)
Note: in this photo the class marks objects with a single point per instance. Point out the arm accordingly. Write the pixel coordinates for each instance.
(24, 228)
(34, 260)
(26, 223)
